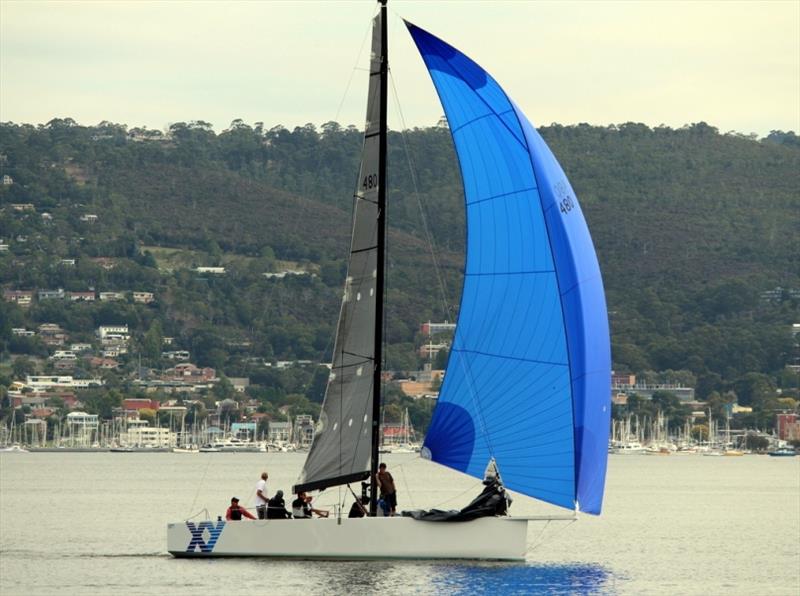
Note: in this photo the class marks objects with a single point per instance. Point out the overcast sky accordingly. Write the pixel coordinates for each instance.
(735, 65)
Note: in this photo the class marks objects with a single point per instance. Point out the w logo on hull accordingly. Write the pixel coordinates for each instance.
(198, 541)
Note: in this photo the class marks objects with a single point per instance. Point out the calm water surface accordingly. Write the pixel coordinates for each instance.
(74, 523)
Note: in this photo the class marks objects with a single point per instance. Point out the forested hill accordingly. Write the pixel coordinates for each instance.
(694, 230)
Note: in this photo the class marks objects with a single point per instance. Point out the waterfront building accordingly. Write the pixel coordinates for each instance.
(279, 432)
(787, 426)
(150, 437)
(82, 428)
(303, 430)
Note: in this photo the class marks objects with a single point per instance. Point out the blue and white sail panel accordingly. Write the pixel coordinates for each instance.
(583, 299)
(511, 382)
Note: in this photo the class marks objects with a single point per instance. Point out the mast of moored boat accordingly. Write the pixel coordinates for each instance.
(379, 270)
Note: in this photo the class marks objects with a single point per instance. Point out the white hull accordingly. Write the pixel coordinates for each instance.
(496, 538)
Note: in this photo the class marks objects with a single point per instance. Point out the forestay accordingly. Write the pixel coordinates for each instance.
(528, 378)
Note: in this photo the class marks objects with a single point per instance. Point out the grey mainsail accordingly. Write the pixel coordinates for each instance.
(341, 449)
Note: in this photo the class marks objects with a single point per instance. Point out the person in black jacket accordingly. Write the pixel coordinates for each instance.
(276, 507)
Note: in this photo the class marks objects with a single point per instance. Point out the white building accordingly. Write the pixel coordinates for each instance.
(113, 332)
(145, 436)
(143, 297)
(43, 382)
(81, 429)
(280, 432)
(109, 296)
(215, 270)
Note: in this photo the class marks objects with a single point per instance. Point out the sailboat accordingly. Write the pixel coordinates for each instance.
(527, 386)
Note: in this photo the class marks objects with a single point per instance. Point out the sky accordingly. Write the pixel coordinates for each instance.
(732, 64)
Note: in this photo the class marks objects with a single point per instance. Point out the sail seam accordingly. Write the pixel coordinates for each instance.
(502, 273)
(360, 198)
(358, 250)
(478, 118)
(517, 358)
(563, 313)
(501, 195)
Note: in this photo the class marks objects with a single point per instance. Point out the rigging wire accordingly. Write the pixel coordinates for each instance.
(412, 168)
(200, 484)
(540, 539)
(438, 272)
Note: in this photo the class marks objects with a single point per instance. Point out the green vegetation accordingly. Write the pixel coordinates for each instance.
(693, 228)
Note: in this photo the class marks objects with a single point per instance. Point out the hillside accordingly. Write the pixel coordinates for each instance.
(694, 229)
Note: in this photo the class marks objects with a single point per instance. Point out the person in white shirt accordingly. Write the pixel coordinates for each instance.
(261, 496)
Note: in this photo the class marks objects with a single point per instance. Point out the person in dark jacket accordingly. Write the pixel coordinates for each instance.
(359, 507)
(235, 512)
(276, 507)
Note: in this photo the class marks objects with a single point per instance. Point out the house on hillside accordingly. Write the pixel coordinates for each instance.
(21, 297)
(52, 334)
(103, 363)
(213, 270)
(51, 294)
(143, 297)
(189, 373)
(111, 296)
(113, 332)
(81, 296)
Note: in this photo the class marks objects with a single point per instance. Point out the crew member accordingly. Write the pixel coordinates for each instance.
(235, 512)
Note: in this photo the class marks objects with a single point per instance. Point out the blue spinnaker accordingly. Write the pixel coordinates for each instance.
(528, 378)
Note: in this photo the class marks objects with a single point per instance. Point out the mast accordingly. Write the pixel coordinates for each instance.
(379, 281)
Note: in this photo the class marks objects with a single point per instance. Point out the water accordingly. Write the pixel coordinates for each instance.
(76, 523)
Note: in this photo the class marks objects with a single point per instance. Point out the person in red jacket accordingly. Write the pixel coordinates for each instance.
(235, 512)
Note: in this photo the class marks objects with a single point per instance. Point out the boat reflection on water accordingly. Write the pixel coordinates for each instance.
(523, 578)
(448, 577)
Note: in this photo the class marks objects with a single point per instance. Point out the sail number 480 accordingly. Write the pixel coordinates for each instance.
(370, 182)
(566, 204)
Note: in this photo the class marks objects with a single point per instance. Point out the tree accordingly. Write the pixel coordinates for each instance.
(223, 389)
(754, 389)
(152, 342)
(318, 385)
(23, 366)
(149, 415)
(756, 443)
